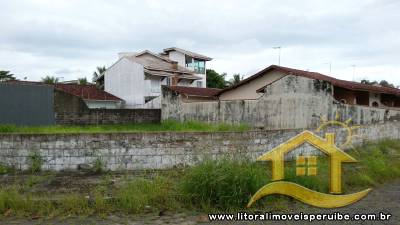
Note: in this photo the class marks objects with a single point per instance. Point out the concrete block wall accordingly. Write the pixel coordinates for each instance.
(137, 151)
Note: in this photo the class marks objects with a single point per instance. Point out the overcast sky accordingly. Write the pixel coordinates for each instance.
(70, 38)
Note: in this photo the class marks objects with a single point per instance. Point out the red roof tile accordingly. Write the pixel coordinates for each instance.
(194, 91)
(318, 76)
(87, 92)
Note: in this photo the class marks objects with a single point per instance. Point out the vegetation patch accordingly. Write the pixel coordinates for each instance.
(168, 125)
(35, 162)
(98, 165)
(223, 184)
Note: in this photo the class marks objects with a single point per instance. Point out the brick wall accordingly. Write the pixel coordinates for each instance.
(133, 151)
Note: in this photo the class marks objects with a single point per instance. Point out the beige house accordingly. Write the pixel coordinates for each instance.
(345, 92)
(247, 88)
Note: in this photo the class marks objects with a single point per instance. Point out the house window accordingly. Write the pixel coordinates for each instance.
(199, 66)
(306, 165)
(155, 86)
(199, 84)
(375, 104)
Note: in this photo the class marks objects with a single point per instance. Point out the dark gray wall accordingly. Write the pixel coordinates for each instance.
(35, 104)
(25, 104)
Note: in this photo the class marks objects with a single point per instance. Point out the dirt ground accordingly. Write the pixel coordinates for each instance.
(385, 198)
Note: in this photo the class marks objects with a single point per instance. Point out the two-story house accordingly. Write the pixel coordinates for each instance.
(137, 77)
(190, 60)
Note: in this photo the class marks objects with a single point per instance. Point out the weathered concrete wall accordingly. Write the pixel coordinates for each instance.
(108, 116)
(65, 102)
(156, 150)
(289, 103)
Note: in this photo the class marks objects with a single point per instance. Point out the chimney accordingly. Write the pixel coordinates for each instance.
(174, 65)
(126, 54)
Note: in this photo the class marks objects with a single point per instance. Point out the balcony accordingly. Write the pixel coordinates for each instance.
(198, 66)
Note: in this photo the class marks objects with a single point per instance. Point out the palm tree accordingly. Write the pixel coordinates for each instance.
(50, 80)
(98, 73)
(98, 77)
(6, 76)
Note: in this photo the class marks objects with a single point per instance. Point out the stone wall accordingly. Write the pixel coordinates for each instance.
(289, 103)
(108, 116)
(133, 151)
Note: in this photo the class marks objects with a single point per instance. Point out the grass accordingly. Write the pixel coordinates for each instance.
(140, 194)
(168, 125)
(223, 185)
(98, 166)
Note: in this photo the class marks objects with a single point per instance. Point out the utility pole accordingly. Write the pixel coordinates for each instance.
(279, 55)
(330, 67)
(354, 71)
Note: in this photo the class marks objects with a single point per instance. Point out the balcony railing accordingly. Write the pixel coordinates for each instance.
(200, 70)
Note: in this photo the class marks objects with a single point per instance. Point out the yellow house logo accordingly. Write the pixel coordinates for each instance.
(307, 165)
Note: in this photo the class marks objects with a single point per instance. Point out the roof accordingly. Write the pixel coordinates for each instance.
(317, 76)
(86, 92)
(195, 91)
(336, 82)
(156, 63)
(189, 53)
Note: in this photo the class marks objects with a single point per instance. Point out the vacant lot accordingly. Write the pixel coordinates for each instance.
(184, 195)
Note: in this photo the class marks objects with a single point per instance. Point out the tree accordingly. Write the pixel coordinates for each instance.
(50, 80)
(382, 83)
(215, 80)
(82, 81)
(6, 76)
(98, 77)
(368, 82)
(236, 79)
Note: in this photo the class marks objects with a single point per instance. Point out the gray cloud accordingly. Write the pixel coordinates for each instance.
(49, 37)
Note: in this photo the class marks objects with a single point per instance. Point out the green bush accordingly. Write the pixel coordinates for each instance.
(378, 162)
(98, 166)
(35, 162)
(10, 199)
(223, 184)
